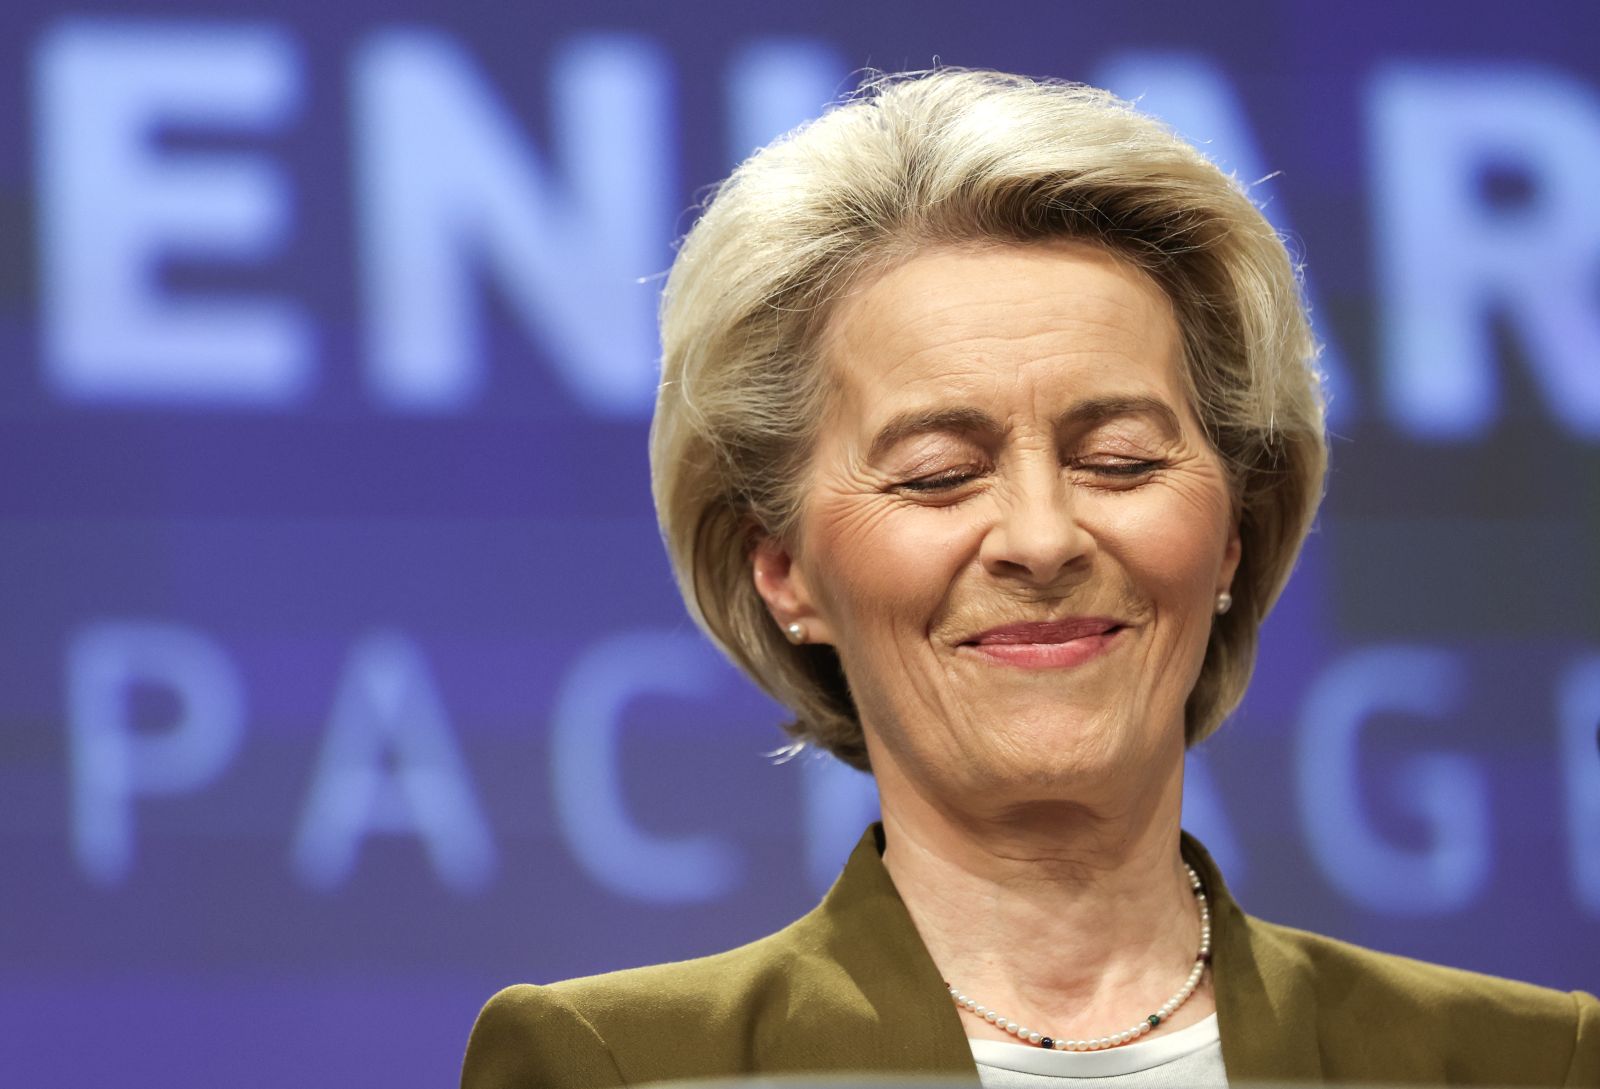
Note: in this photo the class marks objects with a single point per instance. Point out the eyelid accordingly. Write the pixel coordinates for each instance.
(1119, 439)
(1122, 466)
(1117, 466)
(941, 480)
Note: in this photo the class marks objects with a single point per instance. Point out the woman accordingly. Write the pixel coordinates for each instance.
(988, 433)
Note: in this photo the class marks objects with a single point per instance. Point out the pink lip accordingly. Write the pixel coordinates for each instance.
(1049, 644)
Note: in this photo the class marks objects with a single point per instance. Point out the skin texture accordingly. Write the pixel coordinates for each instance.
(1047, 465)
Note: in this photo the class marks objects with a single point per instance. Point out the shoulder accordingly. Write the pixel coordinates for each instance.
(687, 1018)
(664, 1000)
(527, 1036)
(1433, 1020)
(1402, 985)
(847, 988)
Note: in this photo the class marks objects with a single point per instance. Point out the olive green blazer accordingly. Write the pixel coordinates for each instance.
(850, 988)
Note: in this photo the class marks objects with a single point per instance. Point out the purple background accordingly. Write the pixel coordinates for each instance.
(472, 582)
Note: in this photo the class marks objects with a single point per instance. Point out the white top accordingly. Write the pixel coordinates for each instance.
(1190, 1058)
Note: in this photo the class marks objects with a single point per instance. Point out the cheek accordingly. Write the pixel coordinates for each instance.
(877, 561)
(1173, 544)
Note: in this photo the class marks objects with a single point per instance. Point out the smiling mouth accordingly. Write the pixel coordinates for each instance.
(1050, 644)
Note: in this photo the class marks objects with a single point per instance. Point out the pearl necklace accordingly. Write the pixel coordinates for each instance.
(1116, 1039)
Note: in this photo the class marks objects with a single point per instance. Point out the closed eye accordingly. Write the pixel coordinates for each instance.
(1118, 470)
(939, 482)
(1121, 468)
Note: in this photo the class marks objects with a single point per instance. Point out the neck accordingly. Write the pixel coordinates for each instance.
(1074, 918)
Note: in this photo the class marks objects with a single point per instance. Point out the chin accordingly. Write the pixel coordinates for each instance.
(1057, 751)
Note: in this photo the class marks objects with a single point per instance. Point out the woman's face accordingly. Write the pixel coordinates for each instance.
(1014, 530)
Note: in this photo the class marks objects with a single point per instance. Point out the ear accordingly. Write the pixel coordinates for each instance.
(1231, 553)
(781, 581)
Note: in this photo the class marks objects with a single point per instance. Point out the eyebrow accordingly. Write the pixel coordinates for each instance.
(961, 421)
(974, 421)
(1099, 409)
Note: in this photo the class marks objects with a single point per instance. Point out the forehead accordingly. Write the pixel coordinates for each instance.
(1009, 328)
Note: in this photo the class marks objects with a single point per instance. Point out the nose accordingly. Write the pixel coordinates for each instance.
(1036, 535)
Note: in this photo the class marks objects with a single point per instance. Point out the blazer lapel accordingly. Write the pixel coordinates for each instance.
(864, 985)
(1266, 1004)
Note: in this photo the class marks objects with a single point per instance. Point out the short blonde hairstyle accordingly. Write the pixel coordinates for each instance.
(955, 157)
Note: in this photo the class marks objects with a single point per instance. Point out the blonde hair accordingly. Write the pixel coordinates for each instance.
(953, 157)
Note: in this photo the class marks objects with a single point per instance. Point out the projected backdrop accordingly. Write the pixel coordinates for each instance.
(344, 679)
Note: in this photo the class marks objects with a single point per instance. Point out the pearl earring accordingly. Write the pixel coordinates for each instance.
(1224, 602)
(796, 632)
